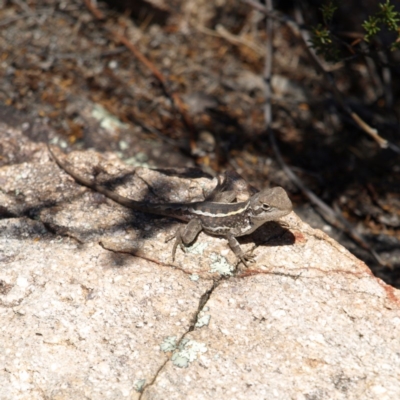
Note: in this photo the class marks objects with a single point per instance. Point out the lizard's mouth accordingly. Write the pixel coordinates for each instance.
(277, 213)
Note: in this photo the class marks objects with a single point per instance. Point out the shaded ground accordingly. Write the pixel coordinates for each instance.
(59, 63)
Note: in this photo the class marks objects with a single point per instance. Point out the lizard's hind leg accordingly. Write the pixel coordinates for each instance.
(185, 235)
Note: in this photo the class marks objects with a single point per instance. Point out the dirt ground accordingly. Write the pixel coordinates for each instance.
(184, 82)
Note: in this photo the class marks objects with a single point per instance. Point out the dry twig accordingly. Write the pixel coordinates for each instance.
(383, 143)
(298, 29)
(335, 218)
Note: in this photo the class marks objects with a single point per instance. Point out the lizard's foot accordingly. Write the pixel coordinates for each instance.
(284, 224)
(248, 257)
(178, 242)
(246, 260)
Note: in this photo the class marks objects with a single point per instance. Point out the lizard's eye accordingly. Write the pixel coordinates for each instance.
(266, 207)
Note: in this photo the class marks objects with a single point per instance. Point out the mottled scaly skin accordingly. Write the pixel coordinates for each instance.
(230, 220)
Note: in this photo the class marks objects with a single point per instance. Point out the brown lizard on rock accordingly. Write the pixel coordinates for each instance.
(229, 220)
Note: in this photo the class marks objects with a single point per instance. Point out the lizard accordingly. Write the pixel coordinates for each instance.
(229, 220)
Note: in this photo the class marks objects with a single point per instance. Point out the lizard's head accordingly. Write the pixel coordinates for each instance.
(270, 204)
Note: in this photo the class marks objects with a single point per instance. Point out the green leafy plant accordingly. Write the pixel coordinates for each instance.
(327, 44)
(322, 38)
(386, 17)
(328, 10)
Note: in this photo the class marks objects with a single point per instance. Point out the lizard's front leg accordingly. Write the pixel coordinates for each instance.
(235, 247)
(186, 235)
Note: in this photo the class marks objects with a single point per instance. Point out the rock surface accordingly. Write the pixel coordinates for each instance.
(93, 307)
